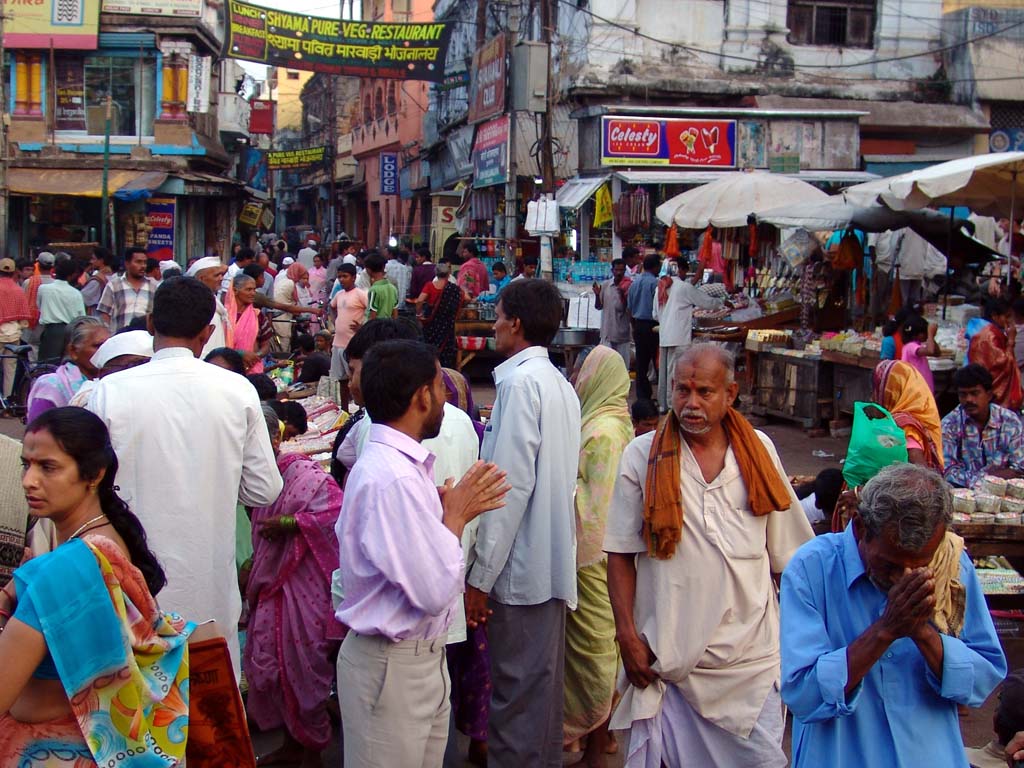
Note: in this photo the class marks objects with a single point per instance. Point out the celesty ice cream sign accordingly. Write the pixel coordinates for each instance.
(668, 141)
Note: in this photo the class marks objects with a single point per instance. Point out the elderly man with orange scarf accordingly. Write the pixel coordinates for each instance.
(702, 518)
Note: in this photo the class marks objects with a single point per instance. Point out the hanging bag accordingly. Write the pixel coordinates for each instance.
(850, 254)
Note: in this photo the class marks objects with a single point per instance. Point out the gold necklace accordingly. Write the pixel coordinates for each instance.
(85, 525)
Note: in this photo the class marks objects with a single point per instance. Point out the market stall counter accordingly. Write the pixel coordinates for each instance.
(852, 378)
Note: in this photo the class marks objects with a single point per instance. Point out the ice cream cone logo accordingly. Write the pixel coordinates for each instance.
(710, 138)
(689, 139)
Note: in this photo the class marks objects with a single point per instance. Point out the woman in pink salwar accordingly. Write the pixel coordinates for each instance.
(292, 631)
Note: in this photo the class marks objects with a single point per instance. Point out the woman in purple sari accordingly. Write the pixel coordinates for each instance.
(292, 631)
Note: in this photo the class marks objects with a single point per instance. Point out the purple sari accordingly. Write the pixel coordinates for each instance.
(289, 645)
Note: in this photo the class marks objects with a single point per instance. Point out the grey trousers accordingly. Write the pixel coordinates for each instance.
(527, 647)
(666, 369)
(394, 702)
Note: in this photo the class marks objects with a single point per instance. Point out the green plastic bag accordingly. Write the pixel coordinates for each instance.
(876, 442)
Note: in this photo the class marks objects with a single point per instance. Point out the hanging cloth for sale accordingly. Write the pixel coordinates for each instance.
(672, 243)
(603, 210)
(896, 302)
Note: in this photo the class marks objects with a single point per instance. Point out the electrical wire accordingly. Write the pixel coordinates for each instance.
(865, 63)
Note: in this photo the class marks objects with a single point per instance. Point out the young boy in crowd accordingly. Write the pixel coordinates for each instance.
(645, 417)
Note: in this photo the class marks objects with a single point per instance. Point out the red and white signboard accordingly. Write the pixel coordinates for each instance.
(676, 142)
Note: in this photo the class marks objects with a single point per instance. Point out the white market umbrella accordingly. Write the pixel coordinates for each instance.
(728, 201)
(835, 213)
(991, 185)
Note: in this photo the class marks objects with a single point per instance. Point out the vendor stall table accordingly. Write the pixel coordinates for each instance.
(794, 388)
(472, 328)
(982, 539)
(852, 379)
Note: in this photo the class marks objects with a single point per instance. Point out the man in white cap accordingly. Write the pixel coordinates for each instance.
(210, 272)
(306, 255)
(118, 353)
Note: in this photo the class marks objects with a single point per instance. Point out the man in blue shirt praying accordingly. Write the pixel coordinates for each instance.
(884, 630)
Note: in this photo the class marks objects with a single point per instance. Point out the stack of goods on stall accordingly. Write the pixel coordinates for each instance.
(992, 500)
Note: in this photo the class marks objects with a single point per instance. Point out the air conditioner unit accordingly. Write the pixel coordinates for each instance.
(530, 76)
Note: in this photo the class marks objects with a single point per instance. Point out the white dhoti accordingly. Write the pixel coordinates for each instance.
(680, 738)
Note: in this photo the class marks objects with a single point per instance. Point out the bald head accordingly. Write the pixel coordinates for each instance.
(703, 389)
(708, 354)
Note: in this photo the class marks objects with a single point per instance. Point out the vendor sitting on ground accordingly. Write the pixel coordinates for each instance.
(978, 436)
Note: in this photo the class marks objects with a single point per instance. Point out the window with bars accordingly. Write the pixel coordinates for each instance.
(1006, 114)
(849, 24)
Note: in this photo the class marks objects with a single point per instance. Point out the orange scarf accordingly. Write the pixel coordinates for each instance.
(663, 496)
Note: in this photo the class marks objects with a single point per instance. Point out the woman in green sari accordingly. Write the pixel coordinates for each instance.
(591, 655)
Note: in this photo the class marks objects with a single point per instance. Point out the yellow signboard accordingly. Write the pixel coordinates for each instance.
(57, 24)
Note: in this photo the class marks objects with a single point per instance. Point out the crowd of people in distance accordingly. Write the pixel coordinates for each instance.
(585, 571)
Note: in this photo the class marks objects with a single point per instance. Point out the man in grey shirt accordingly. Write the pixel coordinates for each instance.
(525, 552)
(611, 300)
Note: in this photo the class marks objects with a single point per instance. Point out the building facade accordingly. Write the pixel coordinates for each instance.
(147, 82)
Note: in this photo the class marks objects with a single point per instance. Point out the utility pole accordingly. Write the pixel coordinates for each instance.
(547, 159)
(104, 196)
(4, 120)
(481, 23)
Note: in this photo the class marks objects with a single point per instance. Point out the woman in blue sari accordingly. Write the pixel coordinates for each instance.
(94, 674)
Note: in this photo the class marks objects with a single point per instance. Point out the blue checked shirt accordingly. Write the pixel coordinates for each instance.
(969, 449)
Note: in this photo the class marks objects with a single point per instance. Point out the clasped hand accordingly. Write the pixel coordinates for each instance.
(911, 603)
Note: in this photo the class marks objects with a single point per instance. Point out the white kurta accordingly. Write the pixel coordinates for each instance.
(218, 338)
(192, 441)
(710, 613)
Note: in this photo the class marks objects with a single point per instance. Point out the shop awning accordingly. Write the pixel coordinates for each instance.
(705, 177)
(82, 182)
(575, 192)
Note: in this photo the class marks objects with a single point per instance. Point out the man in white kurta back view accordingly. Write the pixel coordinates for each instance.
(192, 442)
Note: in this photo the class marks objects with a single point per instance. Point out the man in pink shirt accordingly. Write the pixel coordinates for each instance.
(918, 345)
(349, 305)
(401, 565)
(473, 277)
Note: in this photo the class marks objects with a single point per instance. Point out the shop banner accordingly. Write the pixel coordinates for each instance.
(286, 159)
(261, 117)
(603, 209)
(70, 77)
(336, 47)
(187, 8)
(676, 142)
(487, 91)
(251, 213)
(388, 173)
(199, 84)
(58, 24)
(254, 168)
(1006, 140)
(490, 153)
(160, 221)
